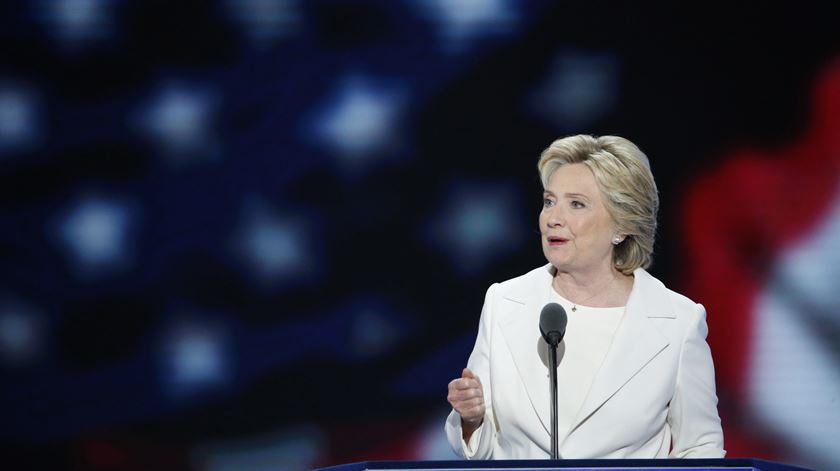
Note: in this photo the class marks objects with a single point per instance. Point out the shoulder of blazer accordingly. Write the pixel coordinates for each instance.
(530, 286)
(651, 297)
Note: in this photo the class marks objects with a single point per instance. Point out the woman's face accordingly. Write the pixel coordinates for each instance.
(576, 229)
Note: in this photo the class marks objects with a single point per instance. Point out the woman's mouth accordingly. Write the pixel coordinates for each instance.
(554, 241)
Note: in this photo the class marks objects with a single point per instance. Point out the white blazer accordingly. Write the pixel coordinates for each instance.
(653, 397)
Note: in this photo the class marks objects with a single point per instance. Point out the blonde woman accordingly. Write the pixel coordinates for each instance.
(635, 373)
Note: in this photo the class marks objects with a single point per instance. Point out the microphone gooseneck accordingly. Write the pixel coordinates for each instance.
(553, 322)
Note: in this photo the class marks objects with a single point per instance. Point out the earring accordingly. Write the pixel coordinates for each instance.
(617, 239)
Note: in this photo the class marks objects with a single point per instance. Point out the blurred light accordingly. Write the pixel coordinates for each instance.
(21, 333)
(373, 333)
(477, 225)
(795, 353)
(579, 89)
(276, 248)
(294, 449)
(433, 445)
(795, 383)
(812, 267)
(265, 21)
(19, 122)
(95, 235)
(196, 356)
(180, 120)
(78, 22)
(462, 22)
(360, 121)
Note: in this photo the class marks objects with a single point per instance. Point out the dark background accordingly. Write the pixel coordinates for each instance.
(257, 234)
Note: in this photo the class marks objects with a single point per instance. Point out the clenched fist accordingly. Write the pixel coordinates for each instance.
(467, 398)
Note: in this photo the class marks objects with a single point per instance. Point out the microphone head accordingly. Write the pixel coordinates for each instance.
(553, 322)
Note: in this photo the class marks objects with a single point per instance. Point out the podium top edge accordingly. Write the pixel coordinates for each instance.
(658, 463)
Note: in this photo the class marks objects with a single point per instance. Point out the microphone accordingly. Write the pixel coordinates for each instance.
(553, 322)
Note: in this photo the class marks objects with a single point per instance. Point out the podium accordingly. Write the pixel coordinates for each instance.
(694, 464)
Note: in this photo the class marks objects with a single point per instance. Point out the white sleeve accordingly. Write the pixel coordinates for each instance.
(480, 446)
(692, 413)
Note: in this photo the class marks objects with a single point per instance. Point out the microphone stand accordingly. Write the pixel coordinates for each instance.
(552, 371)
(553, 322)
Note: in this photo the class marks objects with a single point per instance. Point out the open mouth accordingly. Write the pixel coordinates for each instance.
(553, 240)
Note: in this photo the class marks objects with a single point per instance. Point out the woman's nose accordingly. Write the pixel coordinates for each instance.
(555, 218)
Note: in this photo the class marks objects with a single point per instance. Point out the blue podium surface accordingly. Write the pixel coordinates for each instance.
(697, 464)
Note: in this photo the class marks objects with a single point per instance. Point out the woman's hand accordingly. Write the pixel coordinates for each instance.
(467, 398)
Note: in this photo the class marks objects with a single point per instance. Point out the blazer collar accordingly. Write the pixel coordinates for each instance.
(648, 293)
(636, 341)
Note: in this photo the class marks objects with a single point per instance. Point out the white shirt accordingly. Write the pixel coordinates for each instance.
(589, 334)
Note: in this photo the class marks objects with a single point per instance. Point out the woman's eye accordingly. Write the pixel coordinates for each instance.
(578, 205)
(547, 202)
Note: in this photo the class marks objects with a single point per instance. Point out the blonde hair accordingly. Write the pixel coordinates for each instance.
(622, 172)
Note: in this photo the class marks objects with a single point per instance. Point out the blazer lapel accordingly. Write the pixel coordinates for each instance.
(637, 341)
(519, 325)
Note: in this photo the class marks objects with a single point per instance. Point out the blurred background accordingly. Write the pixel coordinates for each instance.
(257, 234)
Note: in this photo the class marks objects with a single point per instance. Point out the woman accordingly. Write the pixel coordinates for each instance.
(635, 374)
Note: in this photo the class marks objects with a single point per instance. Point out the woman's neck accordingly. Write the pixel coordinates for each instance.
(607, 288)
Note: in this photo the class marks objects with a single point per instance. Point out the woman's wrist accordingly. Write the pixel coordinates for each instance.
(469, 427)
